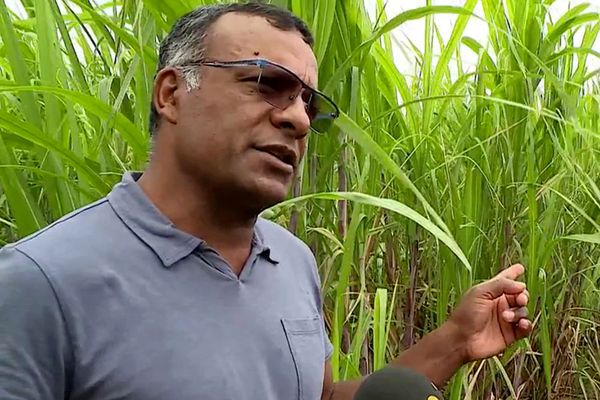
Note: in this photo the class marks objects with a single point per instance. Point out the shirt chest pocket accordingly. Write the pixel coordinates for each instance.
(305, 339)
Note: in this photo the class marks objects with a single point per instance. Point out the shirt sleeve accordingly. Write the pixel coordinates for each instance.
(327, 343)
(35, 352)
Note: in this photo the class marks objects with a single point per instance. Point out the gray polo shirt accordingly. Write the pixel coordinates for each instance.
(114, 302)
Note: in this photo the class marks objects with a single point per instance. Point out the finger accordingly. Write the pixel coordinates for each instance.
(512, 272)
(518, 300)
(523, 329)
(522, 299)
(514, 315)
(501, 286)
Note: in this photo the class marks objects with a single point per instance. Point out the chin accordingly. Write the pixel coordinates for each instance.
(267, 194)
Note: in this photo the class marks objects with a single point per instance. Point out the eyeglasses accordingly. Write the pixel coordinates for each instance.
(280, 87)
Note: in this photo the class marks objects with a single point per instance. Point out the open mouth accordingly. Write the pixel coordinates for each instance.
(282, 153)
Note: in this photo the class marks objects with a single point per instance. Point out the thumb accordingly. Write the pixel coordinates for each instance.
(497, 287)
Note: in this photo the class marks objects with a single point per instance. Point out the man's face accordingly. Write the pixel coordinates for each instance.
(227, 137)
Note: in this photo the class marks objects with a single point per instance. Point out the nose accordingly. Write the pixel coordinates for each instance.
(293, 119)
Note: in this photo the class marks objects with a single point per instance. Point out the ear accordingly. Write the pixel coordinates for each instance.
(164, 97)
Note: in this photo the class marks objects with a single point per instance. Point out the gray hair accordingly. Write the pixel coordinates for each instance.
(185, 43)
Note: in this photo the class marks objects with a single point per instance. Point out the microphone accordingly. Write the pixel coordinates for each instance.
(397, 383)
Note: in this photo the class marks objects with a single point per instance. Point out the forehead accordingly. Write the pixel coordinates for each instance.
(236, 36)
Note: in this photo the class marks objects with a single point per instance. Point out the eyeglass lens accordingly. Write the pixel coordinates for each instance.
(279, 88)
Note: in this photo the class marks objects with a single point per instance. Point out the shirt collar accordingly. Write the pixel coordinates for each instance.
(152, 227)
(262, 248)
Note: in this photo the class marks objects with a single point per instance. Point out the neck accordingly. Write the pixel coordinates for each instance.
(198, 211)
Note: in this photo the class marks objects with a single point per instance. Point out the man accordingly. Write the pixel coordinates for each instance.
(171, 287)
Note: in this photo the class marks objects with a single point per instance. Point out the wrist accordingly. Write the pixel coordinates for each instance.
(437, 355)
(456, 340)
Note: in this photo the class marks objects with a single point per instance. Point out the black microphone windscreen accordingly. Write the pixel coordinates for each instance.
(397, 383)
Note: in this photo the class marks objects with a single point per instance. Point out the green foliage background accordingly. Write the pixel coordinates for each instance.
(425, 187)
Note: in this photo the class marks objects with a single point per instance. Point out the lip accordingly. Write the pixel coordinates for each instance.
(284, 155)
(276, 162)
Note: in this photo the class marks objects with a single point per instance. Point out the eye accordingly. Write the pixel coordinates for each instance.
(306, 97)
(252, 79)
(278, 84)
(310, 104)
(269, 84)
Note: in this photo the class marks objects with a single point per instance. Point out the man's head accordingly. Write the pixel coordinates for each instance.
(186, 40)
(236, 128)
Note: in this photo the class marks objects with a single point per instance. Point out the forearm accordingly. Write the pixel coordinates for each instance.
(438, 355)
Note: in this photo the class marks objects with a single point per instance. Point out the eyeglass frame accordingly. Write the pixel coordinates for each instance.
(261, 63)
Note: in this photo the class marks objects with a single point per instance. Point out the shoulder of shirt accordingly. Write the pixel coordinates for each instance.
(64, 231)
